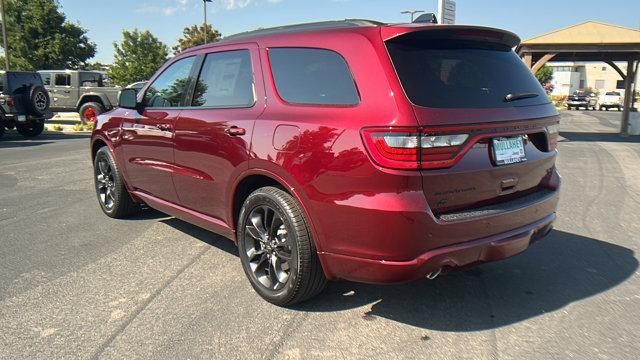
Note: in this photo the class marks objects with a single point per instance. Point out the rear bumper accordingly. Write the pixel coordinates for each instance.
(492, 248)
(13, 119)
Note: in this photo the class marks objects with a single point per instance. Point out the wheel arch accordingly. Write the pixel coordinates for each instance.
(254, 179)
(94, 97)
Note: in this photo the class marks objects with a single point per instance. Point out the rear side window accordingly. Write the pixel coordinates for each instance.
(450, 74)
(91, 79)
(168, 89)
(312, 76)
(226, 80)
(62, 80)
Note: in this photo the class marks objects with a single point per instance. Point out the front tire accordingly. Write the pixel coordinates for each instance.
(30, 130)
(112, 193)
(277, 252)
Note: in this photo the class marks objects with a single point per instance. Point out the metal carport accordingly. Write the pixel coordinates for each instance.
(589, 41)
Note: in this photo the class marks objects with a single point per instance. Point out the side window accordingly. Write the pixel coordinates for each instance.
(312, 76)
(62, 80)
(226, 80)
(88, 79)
(46, 79)
(168, 88)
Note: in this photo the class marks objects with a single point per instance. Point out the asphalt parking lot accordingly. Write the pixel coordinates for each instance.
(76, 284)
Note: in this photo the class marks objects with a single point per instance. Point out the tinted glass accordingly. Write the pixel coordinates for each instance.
(46, 79)
(450, 74)
(167, 90)
(23, 80)
(312, 76)
(226, 80)
(62, 80)
(91, 79)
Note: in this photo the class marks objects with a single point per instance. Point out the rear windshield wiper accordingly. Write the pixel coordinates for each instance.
(514, 97)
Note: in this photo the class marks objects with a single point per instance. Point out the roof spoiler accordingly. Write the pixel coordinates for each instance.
(453, 32)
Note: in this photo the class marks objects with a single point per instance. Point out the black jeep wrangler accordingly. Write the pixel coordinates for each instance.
(24, 103)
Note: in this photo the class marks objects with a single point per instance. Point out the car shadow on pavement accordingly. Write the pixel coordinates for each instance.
(15, 140)
(598, 136)
(562, 269)
(203, 235)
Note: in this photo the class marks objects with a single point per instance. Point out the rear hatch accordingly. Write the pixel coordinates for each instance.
(488, 130)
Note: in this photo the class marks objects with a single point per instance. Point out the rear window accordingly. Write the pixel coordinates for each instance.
(18, 81)
(456, 74)
(312, 76)
(613, 93)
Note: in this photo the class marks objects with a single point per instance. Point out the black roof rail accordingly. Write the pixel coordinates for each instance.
(323, 25)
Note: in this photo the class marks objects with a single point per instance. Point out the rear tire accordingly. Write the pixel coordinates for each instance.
(113, 196)
(30, 131)
(1, 131)
(277, 252)
(88, 110)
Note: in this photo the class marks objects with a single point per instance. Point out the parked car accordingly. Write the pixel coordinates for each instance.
(611, 99)
(24, 103)
(348, 150)
(580, 98)
(81, 91)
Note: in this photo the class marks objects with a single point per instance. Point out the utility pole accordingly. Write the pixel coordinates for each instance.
(412, 13)
(4, 37)
(204, 2)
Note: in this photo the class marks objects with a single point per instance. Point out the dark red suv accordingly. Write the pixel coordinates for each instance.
(341, 150)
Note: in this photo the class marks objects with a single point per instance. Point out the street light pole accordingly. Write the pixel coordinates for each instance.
(4, 37)
(412, 13)
(204, 2)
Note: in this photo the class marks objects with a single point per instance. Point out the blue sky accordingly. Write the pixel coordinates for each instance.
(105, 19)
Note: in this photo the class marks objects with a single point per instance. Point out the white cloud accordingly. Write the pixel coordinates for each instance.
(179, 5)
(236, 4)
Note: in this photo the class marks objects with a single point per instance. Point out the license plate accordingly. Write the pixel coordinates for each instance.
(22, 118)
(508, 150)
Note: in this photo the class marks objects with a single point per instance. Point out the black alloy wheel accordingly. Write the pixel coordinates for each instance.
(113, 196)
(277, 252)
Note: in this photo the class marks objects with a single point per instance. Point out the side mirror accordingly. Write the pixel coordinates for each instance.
(128, 99)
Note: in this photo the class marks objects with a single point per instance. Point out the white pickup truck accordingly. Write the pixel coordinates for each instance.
(611, 99)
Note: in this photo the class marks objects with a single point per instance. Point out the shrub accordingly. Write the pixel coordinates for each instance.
(57, 127)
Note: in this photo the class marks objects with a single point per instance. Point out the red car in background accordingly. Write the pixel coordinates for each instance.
(349, 150)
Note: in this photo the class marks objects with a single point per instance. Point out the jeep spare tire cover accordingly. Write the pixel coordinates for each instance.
(38, 103)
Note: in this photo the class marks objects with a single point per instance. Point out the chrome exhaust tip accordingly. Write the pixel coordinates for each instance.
(434, 274)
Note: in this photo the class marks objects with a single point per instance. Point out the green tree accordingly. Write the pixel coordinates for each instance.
(40, 37)
(544, 75)
(137, 57)
(95, 66)
(194, 36)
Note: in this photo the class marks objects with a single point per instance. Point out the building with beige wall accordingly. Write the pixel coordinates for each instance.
(571, 76)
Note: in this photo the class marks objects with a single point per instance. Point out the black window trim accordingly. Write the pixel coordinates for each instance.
(275, 88)
(196, 75)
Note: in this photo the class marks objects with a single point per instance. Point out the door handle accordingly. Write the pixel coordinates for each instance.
(165, 127)
(235, 131)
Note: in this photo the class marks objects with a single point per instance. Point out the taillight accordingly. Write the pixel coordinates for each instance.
(409, 148)
(553, 134)
(11, 102)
